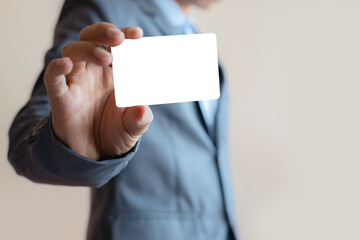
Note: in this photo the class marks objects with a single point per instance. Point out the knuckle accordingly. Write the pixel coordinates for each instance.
(104, 25)
(68, 48)
(85, 29)
(52, 64)
(99, 27)
(84, 33)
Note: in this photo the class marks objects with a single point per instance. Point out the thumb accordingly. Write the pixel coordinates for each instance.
(137, 119)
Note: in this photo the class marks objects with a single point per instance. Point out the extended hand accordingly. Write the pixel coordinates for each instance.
(80, 88)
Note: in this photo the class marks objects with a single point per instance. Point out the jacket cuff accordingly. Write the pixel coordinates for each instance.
(60, 165)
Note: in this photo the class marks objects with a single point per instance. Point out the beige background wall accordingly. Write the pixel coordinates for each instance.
(293, 70)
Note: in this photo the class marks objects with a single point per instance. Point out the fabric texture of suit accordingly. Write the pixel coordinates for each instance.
(174, 184)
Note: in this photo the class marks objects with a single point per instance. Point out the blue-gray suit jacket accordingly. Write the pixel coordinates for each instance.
(174, 184)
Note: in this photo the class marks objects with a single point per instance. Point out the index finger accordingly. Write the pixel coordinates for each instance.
(102, 33)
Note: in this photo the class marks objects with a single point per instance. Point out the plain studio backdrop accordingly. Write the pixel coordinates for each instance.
(293, 70)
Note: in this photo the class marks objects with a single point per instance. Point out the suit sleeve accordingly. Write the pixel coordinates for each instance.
(34, 150)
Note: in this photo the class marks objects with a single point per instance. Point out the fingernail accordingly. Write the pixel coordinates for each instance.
(112, 32)
(134, 30)
(100, 53)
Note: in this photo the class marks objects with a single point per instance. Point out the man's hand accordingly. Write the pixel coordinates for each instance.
(80, 88)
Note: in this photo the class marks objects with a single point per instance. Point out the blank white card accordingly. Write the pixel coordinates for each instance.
(167, 69)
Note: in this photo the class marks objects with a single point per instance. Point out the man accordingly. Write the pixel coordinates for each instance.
(174, 183)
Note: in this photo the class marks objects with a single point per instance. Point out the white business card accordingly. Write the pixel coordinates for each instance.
(166, 69)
